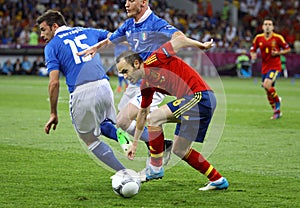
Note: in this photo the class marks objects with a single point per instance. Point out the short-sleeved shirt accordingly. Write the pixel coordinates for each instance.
(269, 62)
(61, 54)
(168, 74)
(146, 36)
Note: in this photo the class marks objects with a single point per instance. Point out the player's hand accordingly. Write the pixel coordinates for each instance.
(131, 151)
(208, 44)
(88, 52)
(275, 52)
(52, 123)
(93, 49)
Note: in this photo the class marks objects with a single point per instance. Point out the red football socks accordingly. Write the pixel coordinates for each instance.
(197, 161)
(156, 143)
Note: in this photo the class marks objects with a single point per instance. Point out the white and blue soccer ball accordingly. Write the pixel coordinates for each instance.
(126, 183)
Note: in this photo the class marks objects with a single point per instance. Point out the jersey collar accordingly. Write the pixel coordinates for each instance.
(145, 16)
(61, 28)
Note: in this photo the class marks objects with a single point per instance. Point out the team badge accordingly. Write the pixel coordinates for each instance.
(144, 36)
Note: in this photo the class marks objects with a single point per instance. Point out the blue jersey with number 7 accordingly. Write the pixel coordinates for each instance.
(61, 54)
(146, 36)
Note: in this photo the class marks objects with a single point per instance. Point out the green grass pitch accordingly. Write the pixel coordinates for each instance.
(259, 156)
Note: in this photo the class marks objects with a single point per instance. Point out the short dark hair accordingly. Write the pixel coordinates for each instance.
(270, 19)
(51, 17)
(129, 57)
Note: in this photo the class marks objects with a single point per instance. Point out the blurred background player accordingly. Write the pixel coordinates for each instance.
(192, 110)
(271, 46)
(243, 65)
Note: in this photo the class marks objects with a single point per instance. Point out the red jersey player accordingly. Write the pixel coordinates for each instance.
(271, 46)
(192, 110)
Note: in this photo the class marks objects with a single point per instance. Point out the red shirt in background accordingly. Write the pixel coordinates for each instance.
(276, 41)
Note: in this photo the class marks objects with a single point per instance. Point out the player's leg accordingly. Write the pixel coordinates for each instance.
(109, 130)
(126, 121)
(101, 150)
(182, 148)
(156, 141)
(88, 110)
(273, 98)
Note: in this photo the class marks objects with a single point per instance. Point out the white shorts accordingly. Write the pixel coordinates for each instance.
(90, 105)
(133, 95)
(130, 92)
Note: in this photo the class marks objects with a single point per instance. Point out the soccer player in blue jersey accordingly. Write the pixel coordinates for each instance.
(91, 97)
(145, 32)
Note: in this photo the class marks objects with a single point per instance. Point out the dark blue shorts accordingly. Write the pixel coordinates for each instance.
(272, 75)
(195, 113)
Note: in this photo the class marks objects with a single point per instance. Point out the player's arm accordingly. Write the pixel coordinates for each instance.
(182, 41)
(280, 52)
(177, 34)
(253, 49)
(140, 124)
(53, 90)
(253, 56)
(91, 51)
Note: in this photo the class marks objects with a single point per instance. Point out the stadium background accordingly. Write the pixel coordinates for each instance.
(232, 24)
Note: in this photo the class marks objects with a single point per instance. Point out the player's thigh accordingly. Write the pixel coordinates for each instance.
(126, 115)
(269, 79)
(160, 116)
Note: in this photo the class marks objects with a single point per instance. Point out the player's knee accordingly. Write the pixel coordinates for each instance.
(178, 152)
(88, 138)
(151, 120)
(122, 123)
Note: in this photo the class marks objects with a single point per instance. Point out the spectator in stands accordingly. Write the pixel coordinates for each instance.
(24, 36)
(6, 37)
(230, 32)
(33, 37)
(226, 11)
(26, 66)
(37, 65)
(209, 9)
(17, 67)
(7, 68)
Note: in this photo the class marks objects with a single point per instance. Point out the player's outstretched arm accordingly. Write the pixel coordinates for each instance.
(140, 124)
(183, 41)
(93, 49)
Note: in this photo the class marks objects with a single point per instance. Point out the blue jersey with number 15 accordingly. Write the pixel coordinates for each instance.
(60, 54)
(146, 36)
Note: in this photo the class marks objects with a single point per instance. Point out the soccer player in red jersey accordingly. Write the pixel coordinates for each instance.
(271, 46)
(192, 110)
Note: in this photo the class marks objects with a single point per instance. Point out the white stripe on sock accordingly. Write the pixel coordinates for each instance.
(94, 145)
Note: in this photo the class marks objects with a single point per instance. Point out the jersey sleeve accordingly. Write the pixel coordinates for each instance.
(283, 44)
(147, 95)
(101, 33)
(160, 56)
(164, 27)
(119, 35)
(254, 45)
(51, 60)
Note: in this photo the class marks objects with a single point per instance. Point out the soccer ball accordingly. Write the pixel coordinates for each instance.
(126, 183)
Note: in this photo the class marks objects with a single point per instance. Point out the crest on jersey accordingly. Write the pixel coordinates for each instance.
(273, 43)
(144, 36)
